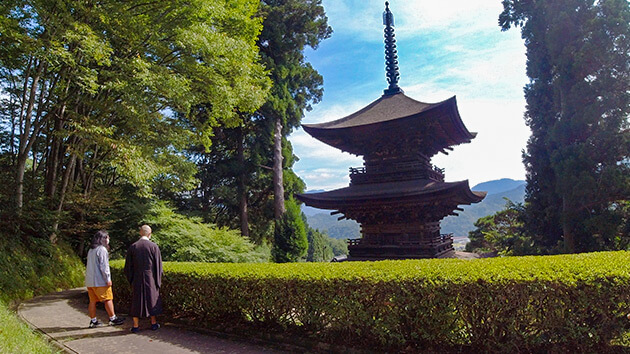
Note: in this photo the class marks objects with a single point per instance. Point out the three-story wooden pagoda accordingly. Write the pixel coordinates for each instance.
(398, 196)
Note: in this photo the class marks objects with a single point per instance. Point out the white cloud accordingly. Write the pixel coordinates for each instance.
(324, 178)
(312, 149)
(364, 17)
(496, 151)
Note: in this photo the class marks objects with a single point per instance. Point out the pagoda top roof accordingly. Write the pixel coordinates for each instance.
(439, 122)
(386, 108)
(423, 191)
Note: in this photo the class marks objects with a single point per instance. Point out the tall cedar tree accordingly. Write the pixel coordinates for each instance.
(578, 102)
(288, 27)
(240, 174)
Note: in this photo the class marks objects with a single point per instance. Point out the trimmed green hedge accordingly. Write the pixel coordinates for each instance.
(501, 304)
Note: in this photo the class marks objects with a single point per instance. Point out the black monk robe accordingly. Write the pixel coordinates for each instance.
(143, 268)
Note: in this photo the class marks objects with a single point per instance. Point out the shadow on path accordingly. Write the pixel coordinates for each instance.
(63, 317)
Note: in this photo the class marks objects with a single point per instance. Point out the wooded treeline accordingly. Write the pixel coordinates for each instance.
(578, 156)
(111, 111)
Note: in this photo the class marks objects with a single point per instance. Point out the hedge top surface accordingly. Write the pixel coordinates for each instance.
(568, 269)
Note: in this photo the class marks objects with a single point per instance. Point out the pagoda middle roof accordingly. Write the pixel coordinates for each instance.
(395, 114)
(418, 191)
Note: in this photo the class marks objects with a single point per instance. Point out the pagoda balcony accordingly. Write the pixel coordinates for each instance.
(359, 175)
(443, 238)
(400, 249)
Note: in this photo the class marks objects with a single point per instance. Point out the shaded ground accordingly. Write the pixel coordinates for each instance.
(461, 255)
(63, 317)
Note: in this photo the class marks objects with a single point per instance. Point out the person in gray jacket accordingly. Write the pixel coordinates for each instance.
(98, 280)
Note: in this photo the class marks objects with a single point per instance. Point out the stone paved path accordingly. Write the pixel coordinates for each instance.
(63, 317)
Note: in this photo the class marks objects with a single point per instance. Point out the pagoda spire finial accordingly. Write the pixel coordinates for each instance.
(391, 56)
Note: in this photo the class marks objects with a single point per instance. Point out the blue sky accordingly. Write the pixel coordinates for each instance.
(445, 48)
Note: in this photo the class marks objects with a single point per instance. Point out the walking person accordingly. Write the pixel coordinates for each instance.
(143, 269)
(98, 280)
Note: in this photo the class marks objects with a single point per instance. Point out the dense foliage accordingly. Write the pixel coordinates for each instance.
(37, 268)
(568, 302)
(321, 247)
(91, 93)
(107, 105)
(501, 233)
(248, 175)
(578, 103)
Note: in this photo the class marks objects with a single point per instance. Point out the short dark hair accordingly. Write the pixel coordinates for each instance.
(100, 239)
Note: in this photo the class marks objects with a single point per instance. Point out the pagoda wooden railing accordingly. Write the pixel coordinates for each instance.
(443, 238)
(354, 241)
(359, 175)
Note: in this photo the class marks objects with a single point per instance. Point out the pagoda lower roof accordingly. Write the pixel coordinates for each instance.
(395, 116)
(420, 191)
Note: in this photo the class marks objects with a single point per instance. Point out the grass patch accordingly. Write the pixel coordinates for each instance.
(27, 271)
(17, 337)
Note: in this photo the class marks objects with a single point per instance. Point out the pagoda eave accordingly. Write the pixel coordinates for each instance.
(414, 192)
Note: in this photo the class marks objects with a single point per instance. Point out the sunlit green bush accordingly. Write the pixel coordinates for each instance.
(530, 303)
(183, 238)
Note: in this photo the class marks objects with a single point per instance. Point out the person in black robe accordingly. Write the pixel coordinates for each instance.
(143, 269)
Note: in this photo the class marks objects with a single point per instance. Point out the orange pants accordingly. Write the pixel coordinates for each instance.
(100, 293)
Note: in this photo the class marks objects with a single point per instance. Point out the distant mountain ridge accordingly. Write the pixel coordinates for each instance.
(498, 186)
(495, 201)
(459, 226)
(310, 211)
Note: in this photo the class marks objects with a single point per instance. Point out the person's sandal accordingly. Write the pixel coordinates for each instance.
(155, 326)
(135, 329)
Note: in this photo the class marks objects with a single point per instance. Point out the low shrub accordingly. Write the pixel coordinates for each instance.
(573, 302)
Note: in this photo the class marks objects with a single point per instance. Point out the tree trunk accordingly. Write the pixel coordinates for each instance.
(19, 193)
(52, 165)
(278, 187)
(62, 195)
(242, 191)
(55, 150)
(26, 140)
(567, 229)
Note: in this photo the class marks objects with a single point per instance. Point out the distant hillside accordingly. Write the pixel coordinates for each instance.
(336, 229)
(498, 186)
(462, 224)
(310, 211)
(458, 225)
